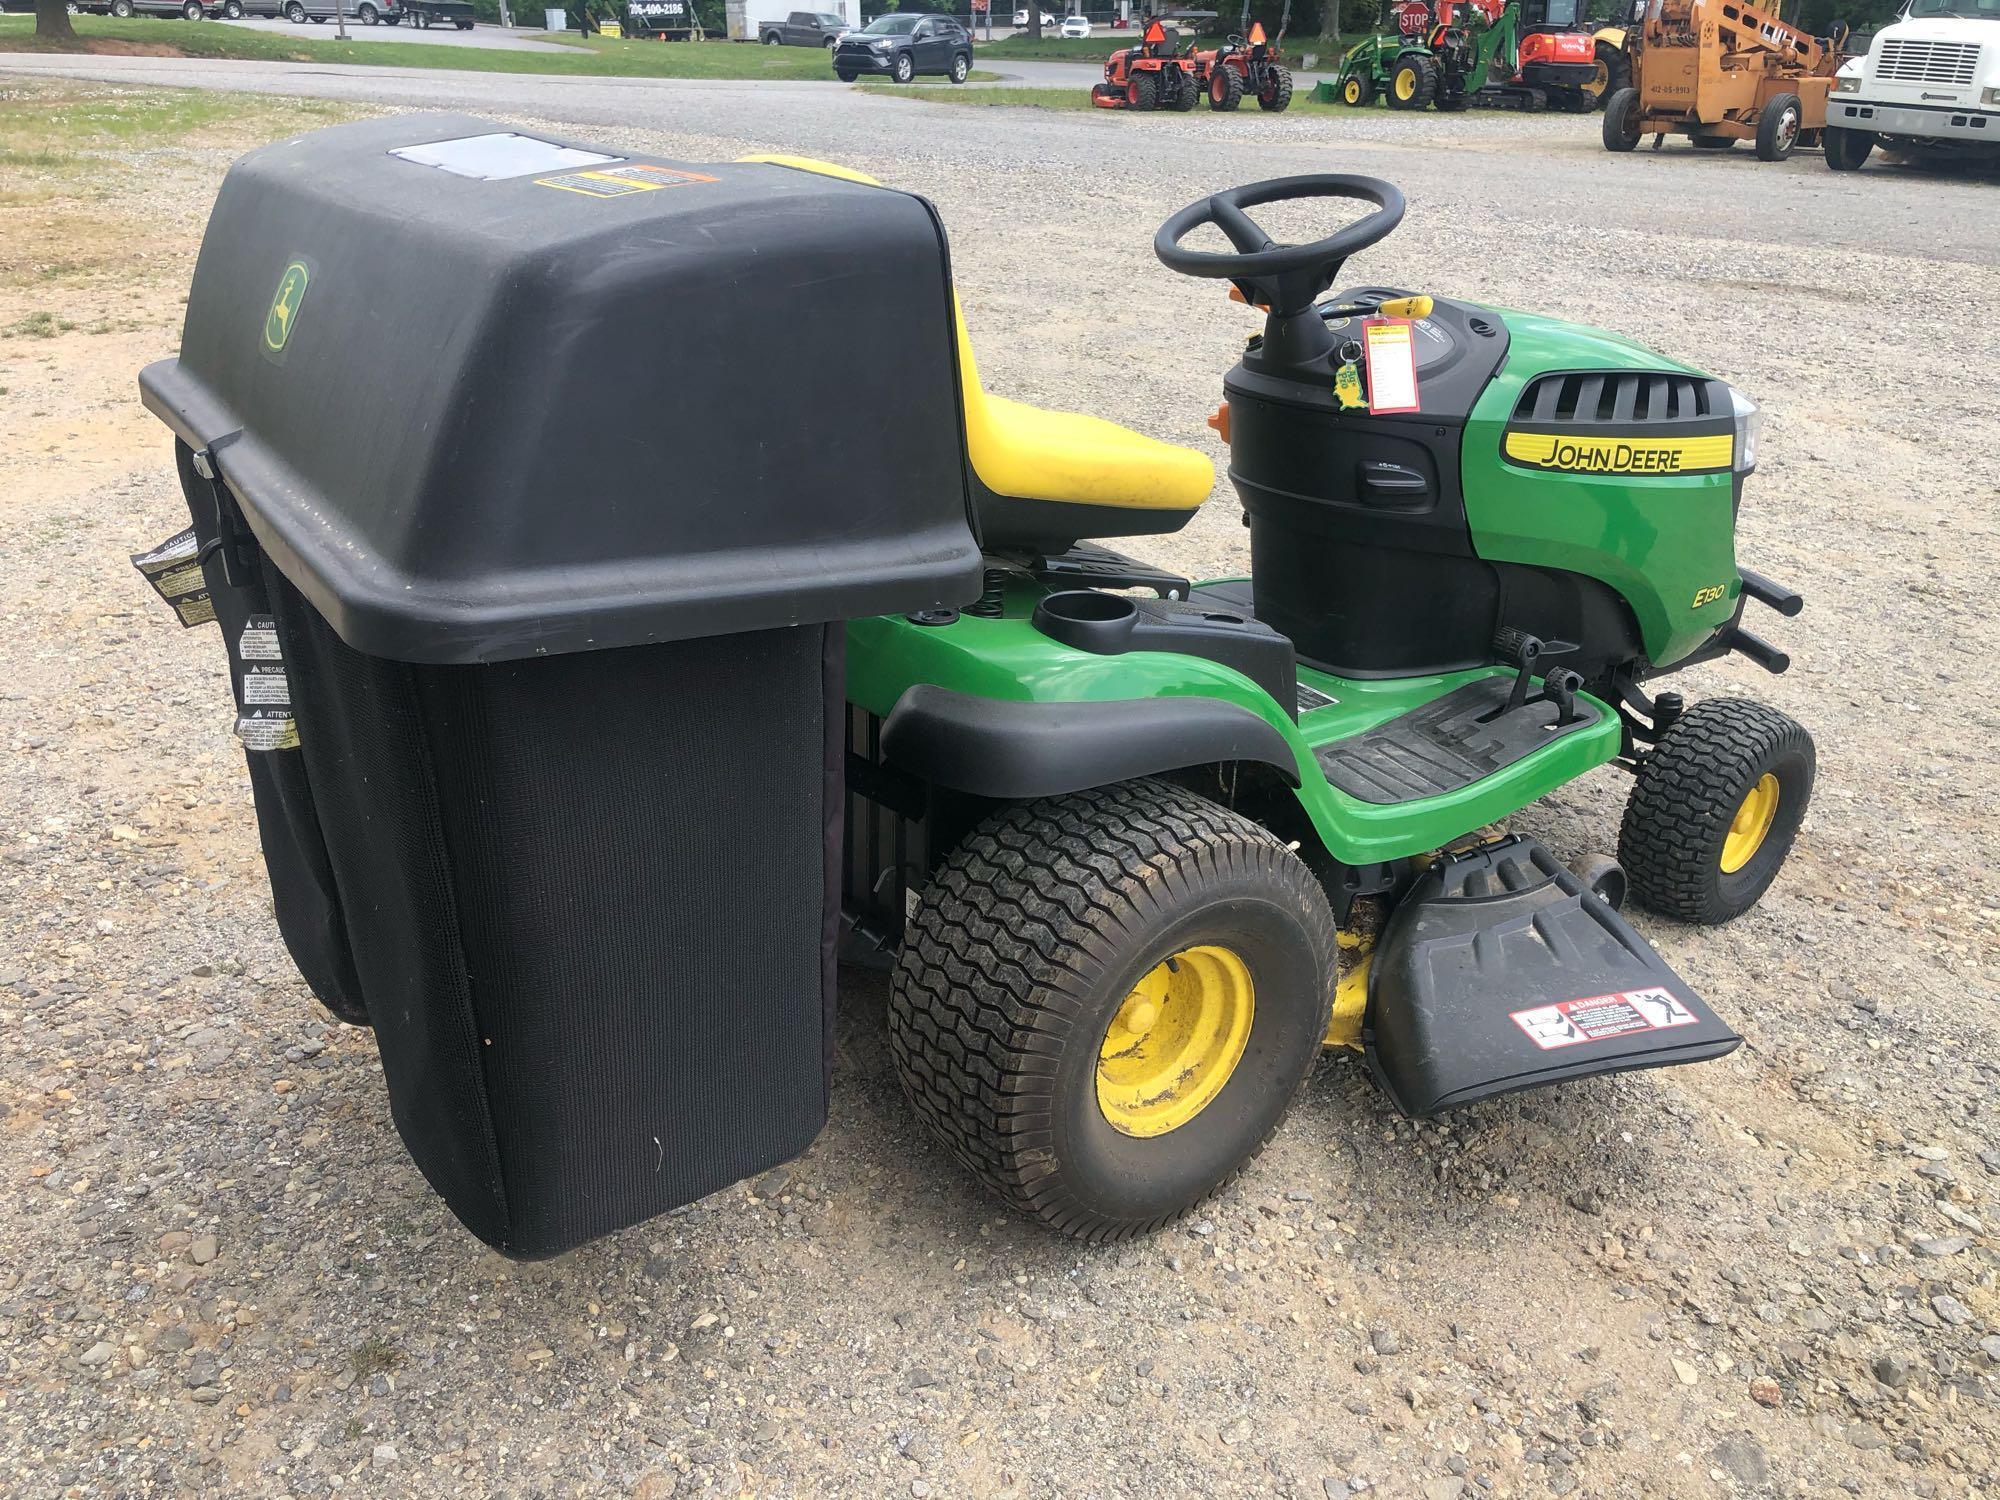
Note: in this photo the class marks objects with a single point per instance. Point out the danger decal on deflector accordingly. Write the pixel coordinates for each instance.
(1601, 1017)
(618, 182)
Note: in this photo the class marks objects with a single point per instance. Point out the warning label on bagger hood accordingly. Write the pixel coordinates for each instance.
(1573, 1022)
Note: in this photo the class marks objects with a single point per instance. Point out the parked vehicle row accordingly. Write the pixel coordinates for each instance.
(420, 13)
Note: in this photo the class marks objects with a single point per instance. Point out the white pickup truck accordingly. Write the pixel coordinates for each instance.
(1929, 87)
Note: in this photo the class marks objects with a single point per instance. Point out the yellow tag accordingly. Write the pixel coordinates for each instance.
(1407, 307)
(1347, 387)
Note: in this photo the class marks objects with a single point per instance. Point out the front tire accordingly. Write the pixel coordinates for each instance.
(369, 16)
(122, 9)
(295, 13)
(193, 11)
(232, 11)
(1621, 120)
(904, 68)
(1715, 810)
(1357, 90)
(1846, 150)
(845, 75)
(1614, 72)
(1778, 127)
(1106, 1001)
(1225, 88)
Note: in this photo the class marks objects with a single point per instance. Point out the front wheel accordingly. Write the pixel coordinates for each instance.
(1621, 120)
(1715, 810)
(1778, 127)
(192, 11)
(904, 68)
(1225, 88)
(122, 9)
(961, 67)
(232, 11)
(1614, 72)
(1276, 94)
(1106, 1001)
(845, 75)
(369, 16)
(1356, 90)
(1846, 150)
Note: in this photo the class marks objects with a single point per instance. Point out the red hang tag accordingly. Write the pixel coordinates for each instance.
(1389, 346)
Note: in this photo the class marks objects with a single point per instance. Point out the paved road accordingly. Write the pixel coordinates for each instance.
(1546, 174)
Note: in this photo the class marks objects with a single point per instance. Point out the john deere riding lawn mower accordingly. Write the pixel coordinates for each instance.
(577, 757)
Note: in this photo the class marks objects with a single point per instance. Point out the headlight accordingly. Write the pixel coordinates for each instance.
(1749, 426)
(1991, 96)
(1850, 83)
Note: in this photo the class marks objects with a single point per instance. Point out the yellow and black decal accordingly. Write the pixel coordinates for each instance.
(1624, 423)
(1577, 453)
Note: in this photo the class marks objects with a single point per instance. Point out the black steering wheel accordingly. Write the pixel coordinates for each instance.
(1283, 278)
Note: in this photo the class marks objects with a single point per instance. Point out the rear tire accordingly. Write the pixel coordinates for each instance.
(1185, 95)
(1412, 83)
(961, 67)
(1225, 88)
(1621, 120)
(1357, 90)
(1614, 72)
(122, 9)
(1693, 843)
(193, 11)
(1778, 127)
(1278, 97)
(295, 13)
(232, 11)
(1036, 936)
(1846, 150)
(369, 16)
(772, 39)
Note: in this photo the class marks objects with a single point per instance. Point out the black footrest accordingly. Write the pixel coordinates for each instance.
(1501, 971)
(1449, 743)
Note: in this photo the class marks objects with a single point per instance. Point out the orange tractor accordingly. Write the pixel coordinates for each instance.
(1243, 66)
(1156, 74)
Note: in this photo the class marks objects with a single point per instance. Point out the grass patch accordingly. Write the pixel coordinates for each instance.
(581, 56)
(37, 325)
(374, 1357)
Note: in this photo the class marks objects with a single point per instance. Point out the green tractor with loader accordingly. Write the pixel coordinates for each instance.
(577, 761)
(1523, 54)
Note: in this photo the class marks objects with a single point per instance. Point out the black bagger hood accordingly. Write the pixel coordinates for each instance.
(599, 401)
(531, 490)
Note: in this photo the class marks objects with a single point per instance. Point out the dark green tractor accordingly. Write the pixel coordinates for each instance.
(1119, 830)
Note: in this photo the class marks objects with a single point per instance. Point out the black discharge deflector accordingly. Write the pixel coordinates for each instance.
(1501, 971)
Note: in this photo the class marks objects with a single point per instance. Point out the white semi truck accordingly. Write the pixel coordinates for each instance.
(1928, 87)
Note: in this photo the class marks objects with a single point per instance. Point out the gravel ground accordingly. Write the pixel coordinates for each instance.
(1769, 1275)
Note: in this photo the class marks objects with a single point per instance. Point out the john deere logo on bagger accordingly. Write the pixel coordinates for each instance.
(285, 306)
(1602, 455)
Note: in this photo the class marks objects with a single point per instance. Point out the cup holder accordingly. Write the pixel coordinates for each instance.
(1087, 619)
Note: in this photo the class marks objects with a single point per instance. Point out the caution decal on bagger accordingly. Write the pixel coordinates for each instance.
(1567, 453)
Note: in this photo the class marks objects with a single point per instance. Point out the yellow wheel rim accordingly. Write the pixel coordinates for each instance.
(1406, 84)
(1353, 91)
(1747, 830)
(1175, 1041)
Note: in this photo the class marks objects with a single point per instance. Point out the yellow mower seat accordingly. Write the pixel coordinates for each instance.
(1047, 479)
